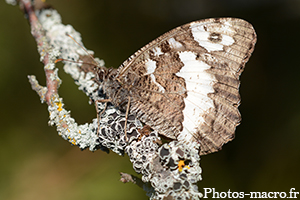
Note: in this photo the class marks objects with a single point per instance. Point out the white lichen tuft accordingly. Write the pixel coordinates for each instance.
(83, 136)
(40, 90)
(57, 35)
(12, 2)
(172, 169)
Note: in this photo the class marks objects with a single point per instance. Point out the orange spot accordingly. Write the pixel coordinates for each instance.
(181, 165)
(73, 141)
(58, 60)
(59, 104)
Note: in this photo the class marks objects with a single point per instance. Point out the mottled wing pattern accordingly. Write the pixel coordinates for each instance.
(185, 83)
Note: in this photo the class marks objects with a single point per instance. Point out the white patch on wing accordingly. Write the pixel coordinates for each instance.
(198, 84)
(202, 37)
(150, 67)
(157, 51)
(174, 44)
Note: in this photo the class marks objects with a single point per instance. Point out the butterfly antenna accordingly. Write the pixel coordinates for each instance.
(72, 61)
(83, 49)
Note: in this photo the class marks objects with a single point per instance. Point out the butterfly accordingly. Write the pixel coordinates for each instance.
(185, 83)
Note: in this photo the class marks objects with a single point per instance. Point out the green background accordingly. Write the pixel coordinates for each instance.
(37, 164)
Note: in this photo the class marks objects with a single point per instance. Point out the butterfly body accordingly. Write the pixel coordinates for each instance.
(185, 83)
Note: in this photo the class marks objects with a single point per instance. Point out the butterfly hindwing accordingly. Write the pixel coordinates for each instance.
(185, 83)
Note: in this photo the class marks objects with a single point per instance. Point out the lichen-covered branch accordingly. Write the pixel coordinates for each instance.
(169, 170)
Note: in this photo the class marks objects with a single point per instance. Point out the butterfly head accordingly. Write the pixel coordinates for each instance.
(102, 74)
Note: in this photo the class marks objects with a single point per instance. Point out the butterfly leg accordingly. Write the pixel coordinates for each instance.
(126, 118)
(97, 110)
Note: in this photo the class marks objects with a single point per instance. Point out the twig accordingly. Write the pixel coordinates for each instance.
(45, 50)
(169, 171)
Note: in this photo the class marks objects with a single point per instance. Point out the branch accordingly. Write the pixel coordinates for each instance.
(169, 170)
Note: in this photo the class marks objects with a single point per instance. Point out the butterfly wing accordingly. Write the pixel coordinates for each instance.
(185, 83)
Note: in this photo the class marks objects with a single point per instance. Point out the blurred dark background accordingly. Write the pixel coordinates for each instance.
(37, 164)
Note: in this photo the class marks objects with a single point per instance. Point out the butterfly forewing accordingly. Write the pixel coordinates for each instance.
(185, 83)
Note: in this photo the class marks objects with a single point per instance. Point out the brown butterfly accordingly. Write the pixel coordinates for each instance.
(185, 83)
